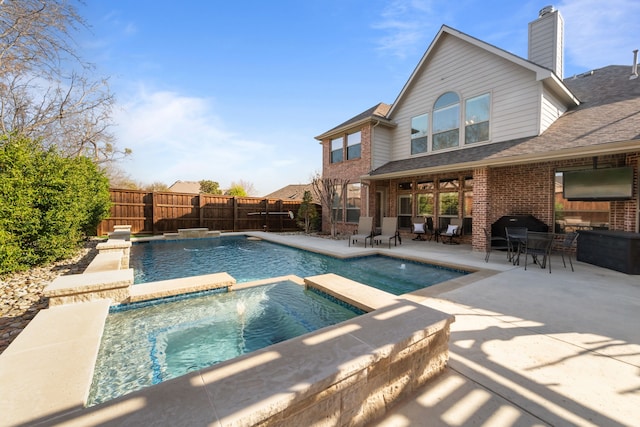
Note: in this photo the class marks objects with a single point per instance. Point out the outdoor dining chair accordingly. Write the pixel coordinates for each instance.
(568, 247)
(538, 245)
(516, 239)
(494, 242)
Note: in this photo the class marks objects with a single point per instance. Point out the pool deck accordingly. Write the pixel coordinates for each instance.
(527, 347)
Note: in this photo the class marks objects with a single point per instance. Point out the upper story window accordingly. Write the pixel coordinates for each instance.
(420, 134)
(476, 119)
(444, 127)
(354, 144)
(337, 150)
(446, 121)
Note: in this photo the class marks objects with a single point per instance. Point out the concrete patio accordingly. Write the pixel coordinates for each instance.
(526, 348)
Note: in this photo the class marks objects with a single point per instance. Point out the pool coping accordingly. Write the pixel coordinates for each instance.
(28, 381)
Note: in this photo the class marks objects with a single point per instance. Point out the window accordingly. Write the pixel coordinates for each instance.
(419, 134)
(476, 119)
(448, 203)
(336, 150)
(353, 202)
(467, 200)
(353, 145)
(446, 121)
(336, 208)
(425, 204)
(405, 186)
(426, 185)
(404, 210)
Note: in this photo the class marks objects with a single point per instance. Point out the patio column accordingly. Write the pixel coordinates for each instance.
(481, 212)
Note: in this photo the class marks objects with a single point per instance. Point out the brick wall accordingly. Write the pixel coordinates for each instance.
(511, 190)
(350, 170)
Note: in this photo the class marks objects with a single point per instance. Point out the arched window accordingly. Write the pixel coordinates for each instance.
(446, 121)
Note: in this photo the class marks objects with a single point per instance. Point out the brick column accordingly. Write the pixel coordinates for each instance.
(481, 212)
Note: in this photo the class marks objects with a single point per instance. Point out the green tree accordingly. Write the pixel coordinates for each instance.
(236, 190)
(48, 203)
(307, 213)
(210, 187)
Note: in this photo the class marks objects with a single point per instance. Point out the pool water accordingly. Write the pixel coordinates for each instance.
(145, 346)
(247, 260)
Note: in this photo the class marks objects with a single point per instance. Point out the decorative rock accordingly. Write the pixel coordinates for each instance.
(21, 294)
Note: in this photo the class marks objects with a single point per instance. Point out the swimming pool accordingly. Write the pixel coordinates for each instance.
(153, 343)
(248, 260)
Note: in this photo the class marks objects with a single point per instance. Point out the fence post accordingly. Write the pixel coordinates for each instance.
(154, 210)
(235, 213)
(201, 211)
(266, 215)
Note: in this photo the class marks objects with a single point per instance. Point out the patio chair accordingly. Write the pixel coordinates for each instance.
(418, 227)
(538, 245)
(567, 247)
(494, 242)
(516, 239)
(453, 231)
(364, 231)
(389, 231)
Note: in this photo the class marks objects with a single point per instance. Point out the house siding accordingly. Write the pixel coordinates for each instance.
(552, 109)
(514, 92)
(381, 146)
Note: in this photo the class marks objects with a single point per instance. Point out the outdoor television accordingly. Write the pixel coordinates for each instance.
(598, 184)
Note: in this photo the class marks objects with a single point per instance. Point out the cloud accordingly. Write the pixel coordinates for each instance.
(406, 26)
(600, 33)
(178, 137)
(174, 136)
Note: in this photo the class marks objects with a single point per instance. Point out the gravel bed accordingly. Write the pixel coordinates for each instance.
(21, 293)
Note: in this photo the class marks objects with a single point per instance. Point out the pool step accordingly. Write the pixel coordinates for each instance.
(74, 288)
(185, 285)
(357, 294)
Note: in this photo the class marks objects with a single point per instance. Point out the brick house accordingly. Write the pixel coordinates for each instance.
(478, 133)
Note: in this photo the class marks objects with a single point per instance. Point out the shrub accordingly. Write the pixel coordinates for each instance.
(48, 203)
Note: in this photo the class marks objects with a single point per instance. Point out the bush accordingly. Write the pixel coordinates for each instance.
(48, 203)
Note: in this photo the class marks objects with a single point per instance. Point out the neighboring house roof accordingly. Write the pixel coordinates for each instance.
(291, 192)
(189, 187)
(376, 113)
(606, 122)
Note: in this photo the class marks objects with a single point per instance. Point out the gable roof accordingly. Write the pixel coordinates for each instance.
(376, 113)
(554, 83)
(189, 187)
(606, 122)
(292, 192)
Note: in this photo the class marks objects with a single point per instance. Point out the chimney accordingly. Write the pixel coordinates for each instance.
(546, 40)
(634, 67)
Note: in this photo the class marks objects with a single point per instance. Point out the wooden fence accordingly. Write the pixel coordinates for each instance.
(166, 212)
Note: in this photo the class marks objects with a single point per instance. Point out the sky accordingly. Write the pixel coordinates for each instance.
(236, 91)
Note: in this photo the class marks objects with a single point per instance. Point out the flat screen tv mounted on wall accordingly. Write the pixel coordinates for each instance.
(598, 184)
